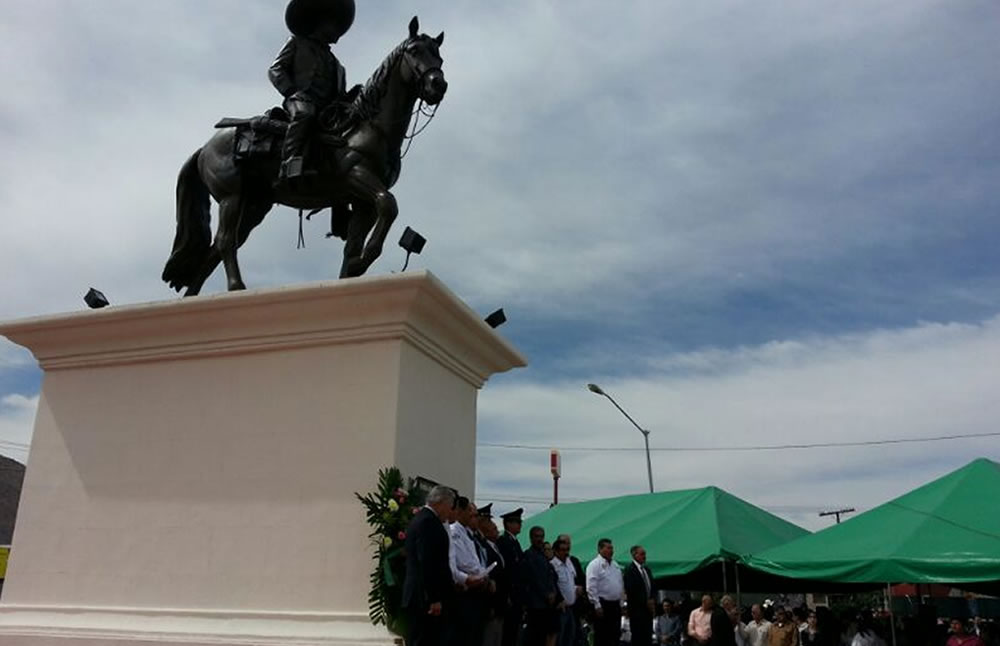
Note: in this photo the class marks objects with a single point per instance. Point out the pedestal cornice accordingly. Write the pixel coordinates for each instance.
(415, 306)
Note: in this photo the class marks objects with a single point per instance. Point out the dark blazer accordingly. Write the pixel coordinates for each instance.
(501, 577)
(635, 588)
(723, 631)
(581, 576)
(537, 580)
(512, 557)
(428, 574)
(582, 605)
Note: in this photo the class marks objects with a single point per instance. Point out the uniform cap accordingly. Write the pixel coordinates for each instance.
(513, 515)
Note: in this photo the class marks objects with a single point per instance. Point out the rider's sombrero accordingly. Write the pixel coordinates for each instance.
(304, 16)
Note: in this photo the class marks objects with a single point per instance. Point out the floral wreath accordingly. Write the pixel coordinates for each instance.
(389, 510)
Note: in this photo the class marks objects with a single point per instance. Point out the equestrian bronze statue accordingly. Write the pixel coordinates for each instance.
(325, 148)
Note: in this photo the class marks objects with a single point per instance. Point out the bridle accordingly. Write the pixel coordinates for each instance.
(421, 109)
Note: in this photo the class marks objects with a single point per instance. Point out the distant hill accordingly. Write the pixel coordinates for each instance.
(11, 477)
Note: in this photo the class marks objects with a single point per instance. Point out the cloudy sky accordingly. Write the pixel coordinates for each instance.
(753, 223)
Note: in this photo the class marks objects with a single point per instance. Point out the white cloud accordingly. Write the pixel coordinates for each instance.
(924, 381)
(581, 155)
(13, 356)
(17, 420)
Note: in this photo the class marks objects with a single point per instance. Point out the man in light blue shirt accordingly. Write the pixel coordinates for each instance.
(566, 582)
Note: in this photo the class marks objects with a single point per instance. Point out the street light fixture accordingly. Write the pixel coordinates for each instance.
(594, 388)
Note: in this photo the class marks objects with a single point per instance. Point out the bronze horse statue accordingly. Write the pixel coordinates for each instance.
(352, 179)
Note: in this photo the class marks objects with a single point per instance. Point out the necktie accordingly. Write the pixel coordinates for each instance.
(479, 549)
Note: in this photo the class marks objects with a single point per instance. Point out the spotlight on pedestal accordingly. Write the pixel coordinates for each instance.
(411, 242)
(95, 300)
(496, 319)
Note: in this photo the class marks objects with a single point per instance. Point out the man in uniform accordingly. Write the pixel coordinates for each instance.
(512, 554)
(500, 598)
(307, 73)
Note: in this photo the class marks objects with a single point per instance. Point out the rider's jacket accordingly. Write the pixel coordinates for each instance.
(307, 70)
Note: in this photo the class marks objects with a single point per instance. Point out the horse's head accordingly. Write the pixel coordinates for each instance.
(421, 66)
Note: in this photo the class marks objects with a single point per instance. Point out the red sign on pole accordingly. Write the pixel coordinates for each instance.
(555, 463)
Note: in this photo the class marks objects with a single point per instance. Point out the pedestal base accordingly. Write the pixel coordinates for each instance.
(193, 467)
(82, 626)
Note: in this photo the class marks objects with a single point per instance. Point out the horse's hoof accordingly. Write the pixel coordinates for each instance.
(235, 287)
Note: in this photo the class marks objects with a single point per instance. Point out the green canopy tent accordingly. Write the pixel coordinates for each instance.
(947, 531)
(682, 531)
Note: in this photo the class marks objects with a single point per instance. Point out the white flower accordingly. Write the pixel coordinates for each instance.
(393, 505)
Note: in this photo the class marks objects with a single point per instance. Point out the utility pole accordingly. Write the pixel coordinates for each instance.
(555, 466)
(597, 390)
(837, 513)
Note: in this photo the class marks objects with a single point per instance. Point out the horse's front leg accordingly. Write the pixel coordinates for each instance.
(369, 190)
(386, 211)
(358, 226)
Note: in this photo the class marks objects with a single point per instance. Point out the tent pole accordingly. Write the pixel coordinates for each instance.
(736, 571)
(725, 584)
(892, 616)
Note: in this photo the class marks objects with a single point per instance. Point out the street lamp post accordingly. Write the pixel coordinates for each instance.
(594, 388)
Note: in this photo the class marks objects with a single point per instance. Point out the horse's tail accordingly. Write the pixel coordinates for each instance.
(194, 230)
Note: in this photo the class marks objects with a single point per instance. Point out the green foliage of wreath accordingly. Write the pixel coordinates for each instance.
(389, 510)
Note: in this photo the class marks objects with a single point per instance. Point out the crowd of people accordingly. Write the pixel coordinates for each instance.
(468, 584)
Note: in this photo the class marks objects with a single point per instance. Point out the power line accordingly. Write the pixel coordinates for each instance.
(764, 447)
(538, 500)
(526, 499)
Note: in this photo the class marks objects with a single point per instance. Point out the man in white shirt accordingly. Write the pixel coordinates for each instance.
(605, 589)
(566, 582)
(756, 631)
(468, 569)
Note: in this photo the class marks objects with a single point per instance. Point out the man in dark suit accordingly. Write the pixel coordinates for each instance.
(723, 622)
(512, 554)
(428, 582)
(540, 594)
(641, 597)
(724, 619)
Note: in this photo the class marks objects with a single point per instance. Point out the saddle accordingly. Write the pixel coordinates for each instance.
(258, 137)
(262, 137)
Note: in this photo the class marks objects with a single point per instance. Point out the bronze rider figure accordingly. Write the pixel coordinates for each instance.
(307, 73)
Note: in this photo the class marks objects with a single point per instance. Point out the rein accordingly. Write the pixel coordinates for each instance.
(416, 114)
(420, 111)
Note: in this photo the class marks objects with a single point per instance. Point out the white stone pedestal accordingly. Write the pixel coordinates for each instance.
(194, 462)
